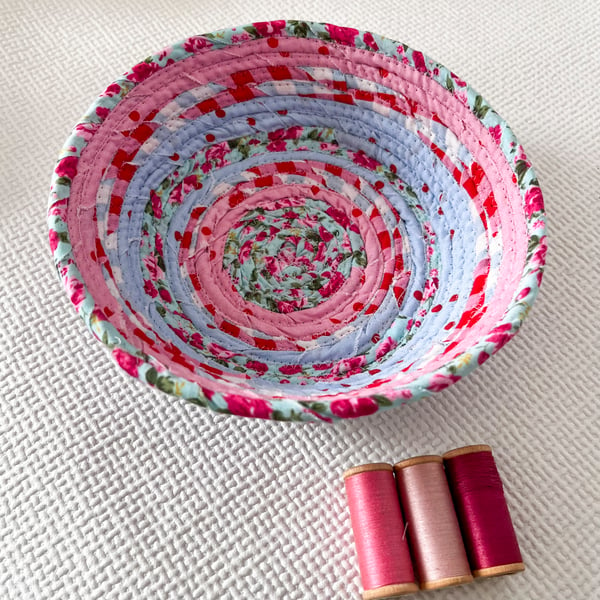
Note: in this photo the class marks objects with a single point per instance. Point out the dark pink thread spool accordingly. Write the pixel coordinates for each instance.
(433, 530)
(379, 533)
(482, 511)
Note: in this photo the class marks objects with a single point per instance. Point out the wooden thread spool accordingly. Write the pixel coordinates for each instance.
(379, 532)
(482, 511)
(433, 531)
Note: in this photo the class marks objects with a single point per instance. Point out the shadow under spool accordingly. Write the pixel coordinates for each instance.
(481, 507)
(433, 530)
(379, 532)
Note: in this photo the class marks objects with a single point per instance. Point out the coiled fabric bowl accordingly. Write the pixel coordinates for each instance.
(296, 221)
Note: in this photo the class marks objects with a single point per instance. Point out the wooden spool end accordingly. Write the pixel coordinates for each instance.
(366, 468)
(500, 570)
(467, 450)
(390, 591)
(417, 460)
(447, 582)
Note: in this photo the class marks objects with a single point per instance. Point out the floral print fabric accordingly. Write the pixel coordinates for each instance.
(296, 221)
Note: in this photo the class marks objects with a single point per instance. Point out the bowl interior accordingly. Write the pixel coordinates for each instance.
(296, 220)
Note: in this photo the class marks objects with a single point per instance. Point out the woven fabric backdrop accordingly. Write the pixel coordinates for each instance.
(109, 490)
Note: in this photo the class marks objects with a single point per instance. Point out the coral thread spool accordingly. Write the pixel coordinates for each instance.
(379, 533)
(481, 507)
(433, 530)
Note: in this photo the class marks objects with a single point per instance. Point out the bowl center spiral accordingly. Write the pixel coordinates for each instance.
(292, 255)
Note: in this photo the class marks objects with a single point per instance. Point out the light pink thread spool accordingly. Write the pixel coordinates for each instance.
(379, 533)
(433, 532)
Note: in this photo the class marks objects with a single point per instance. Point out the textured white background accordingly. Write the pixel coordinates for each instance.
(111, 491)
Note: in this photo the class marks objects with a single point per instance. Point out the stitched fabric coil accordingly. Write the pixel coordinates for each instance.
(296, 221)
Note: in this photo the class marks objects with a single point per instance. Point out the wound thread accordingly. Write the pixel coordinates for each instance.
(379, 532)
(433, 531)
(482, 511)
